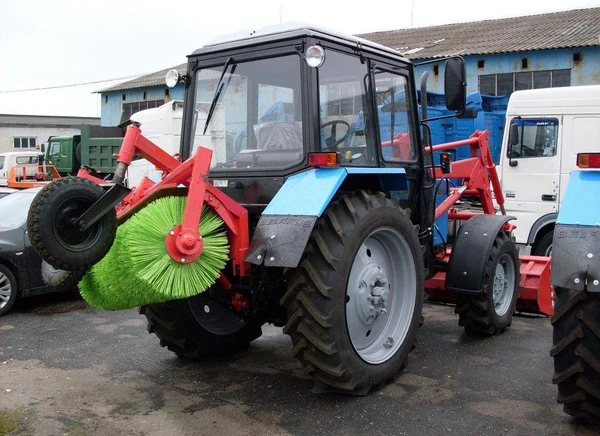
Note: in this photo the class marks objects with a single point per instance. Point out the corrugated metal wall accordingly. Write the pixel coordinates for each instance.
(584, 72)
(112, 102)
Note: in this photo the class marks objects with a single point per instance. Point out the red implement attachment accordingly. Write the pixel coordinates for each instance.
(478, 174)
(183, 242)
(535, 292)
(31, 175)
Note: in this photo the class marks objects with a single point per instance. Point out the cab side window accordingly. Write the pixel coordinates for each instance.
(532, 137)
(392, 94)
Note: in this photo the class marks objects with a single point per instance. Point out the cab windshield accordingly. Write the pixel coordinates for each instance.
(254, 113)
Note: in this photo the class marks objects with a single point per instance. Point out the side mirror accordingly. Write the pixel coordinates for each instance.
(455, 85)
(513, 135)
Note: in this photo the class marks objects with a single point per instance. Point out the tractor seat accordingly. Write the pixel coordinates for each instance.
(279, 136)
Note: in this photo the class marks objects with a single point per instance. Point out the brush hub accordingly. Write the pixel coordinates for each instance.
(184, 245)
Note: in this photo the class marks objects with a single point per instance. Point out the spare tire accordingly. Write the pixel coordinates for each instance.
(78, 154)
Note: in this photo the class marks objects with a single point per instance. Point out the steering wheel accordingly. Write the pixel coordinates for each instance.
(331, 140)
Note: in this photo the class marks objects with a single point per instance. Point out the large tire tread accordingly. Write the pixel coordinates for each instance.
(576, 352)
(474, 311)
(41, 233)
(310, 302)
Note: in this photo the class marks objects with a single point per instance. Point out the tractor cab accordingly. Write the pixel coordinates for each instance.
(263, 103)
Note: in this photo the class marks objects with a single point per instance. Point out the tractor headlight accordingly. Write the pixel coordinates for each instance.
(315, 56)
(172, 78)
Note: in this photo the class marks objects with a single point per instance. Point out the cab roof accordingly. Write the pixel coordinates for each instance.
(291, 31)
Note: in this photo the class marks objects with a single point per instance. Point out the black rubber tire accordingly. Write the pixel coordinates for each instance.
(180, 331)
(316, 297)
(78, 155)
(543, 245)
(476, 313)
(576, 352)
(60, 280)
(63, 196)
(13, 289)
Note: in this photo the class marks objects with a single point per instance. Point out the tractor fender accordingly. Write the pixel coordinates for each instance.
(470, 253)
(576, 245)
(287, 222)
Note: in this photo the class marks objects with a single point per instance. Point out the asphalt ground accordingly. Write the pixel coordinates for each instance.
(69, 369)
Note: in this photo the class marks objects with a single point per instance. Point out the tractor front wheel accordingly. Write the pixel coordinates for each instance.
(576, 352)
(354, 303)
(491, 312)
(199, 327)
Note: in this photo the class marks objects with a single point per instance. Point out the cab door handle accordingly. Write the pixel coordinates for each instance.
(548, 197)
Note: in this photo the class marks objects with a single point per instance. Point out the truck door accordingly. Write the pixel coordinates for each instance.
(531, 171)
(53, 154)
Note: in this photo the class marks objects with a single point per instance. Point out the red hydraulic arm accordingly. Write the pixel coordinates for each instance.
(183, 242)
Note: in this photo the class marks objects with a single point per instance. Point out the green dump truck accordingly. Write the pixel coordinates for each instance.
(95, 148)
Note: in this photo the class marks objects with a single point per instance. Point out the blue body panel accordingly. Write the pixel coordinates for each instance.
(309, 193)
(581, 204)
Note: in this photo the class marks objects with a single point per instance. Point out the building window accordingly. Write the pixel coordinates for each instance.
(507, 83)
(24, 142)
(343, 99)
(481, 64)
(130, 108)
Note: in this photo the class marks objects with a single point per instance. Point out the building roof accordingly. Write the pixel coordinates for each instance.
(574, 28)
(152, 79)
(12, 120)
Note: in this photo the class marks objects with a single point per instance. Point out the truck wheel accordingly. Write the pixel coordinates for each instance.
(51, 228)
(198, 327)
(8, 290)
(491, 312)
(576, 352)
(60, 280)
(354, 303)
(78, 155)
(544, 245)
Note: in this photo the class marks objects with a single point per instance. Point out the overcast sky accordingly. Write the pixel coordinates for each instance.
(46, 43)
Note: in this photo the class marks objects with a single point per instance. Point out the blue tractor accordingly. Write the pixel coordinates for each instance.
(576, 281)
(330, 227)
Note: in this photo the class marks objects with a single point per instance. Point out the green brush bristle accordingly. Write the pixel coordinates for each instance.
(138, 270)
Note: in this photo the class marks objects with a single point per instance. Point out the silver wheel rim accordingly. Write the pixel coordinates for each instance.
(504, 284)
(381, 295)
(5, 290)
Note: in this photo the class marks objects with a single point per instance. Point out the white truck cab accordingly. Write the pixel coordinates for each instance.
(162, 125)
(545, 130)
(13, 158)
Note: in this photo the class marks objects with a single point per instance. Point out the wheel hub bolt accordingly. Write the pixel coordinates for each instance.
(389, 342)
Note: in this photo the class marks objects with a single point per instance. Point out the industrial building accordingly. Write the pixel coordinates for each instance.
(502, 56)
(19, 132)
(510, 54)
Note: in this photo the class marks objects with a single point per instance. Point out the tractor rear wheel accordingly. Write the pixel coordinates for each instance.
(576, 352)
(198, 327)
(354, 303)
(491, 312)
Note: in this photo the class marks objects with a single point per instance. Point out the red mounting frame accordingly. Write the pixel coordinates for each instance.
(183, 242)
(477, 173)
